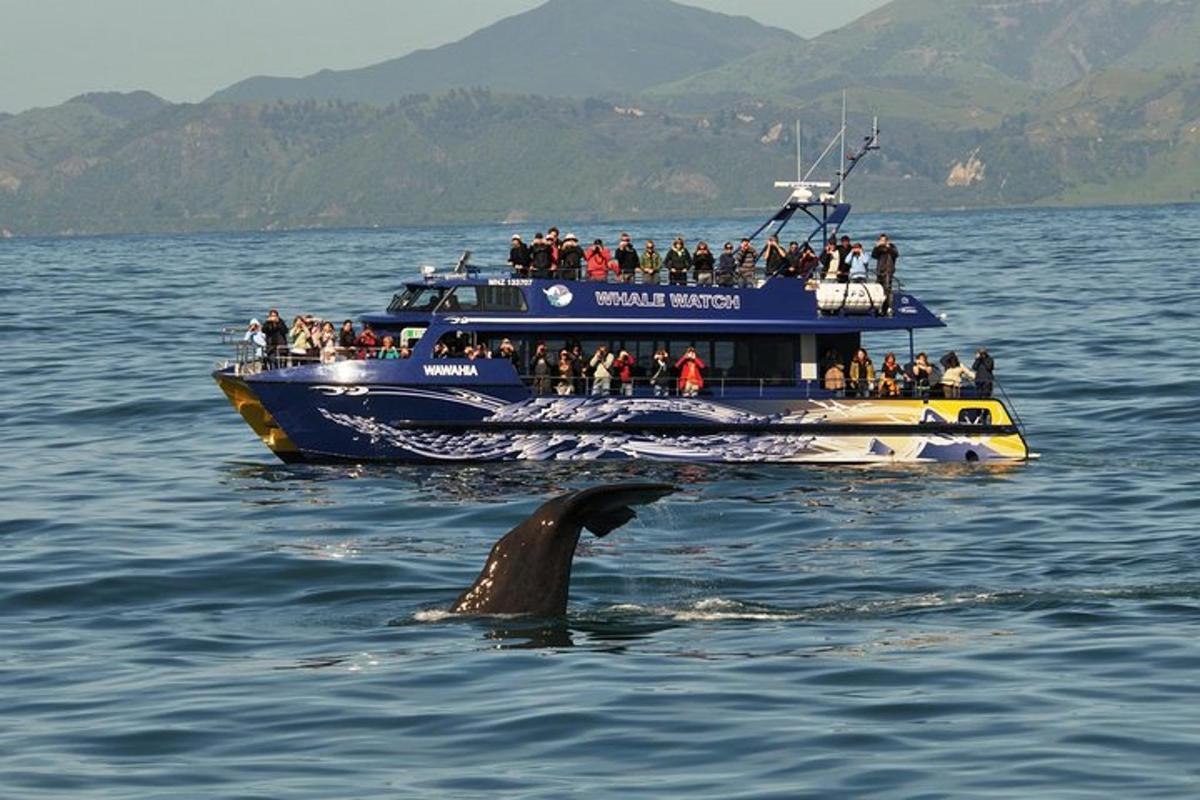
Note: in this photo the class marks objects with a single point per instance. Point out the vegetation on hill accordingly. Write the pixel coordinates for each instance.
(977, 104)
(565, 48)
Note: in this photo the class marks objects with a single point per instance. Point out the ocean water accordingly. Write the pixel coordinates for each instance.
(183, 616)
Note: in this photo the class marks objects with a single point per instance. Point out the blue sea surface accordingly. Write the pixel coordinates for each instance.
(184, 616)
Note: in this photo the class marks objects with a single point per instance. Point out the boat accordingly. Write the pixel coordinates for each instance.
(765, 396)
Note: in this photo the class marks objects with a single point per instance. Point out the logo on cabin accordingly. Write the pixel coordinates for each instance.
(451, 371)
(559, 296)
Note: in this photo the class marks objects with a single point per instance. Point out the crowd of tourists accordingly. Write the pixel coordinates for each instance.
(839, 260)
(919, 378)
(313, 340)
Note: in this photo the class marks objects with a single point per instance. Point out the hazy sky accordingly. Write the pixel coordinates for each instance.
(184, 50)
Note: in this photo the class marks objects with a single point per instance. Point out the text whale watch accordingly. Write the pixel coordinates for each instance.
(756, 357)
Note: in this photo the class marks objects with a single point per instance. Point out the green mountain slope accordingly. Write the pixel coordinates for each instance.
(567, 48)
(977, 106)
(963, 62)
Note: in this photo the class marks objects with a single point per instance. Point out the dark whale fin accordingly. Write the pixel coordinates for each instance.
(603, 509)
(529, 569)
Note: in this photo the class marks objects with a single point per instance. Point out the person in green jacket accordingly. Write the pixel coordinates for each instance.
(651, 263)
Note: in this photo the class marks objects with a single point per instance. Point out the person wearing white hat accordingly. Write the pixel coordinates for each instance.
(256, 338)
(570, 258)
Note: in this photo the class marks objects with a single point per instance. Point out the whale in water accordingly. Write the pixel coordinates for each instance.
(529, 569)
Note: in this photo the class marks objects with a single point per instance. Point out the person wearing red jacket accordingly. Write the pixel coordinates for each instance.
(599, 262)
(691, 381)
(622, 370)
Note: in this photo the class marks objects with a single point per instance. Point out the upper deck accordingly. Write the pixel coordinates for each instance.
(779, 305)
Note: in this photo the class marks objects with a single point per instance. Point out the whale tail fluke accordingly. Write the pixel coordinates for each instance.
(529, 570)
(603, 509)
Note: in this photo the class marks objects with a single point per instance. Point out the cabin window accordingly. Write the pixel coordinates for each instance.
(974, 416)
(741, 360)
(417, 298)
(485, 298)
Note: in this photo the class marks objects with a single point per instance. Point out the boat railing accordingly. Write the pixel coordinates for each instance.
(1011, 406)
(249, 358)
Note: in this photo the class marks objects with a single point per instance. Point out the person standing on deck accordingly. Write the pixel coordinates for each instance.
(599, 262)
(552, 239)
(809, 263)
(726, 267)
(862, 374)
(691, 381)
(856, 268)
(541, 368)
(570, 258)
(831, 263)
(843, 250)
(627, 260)
(885, 255)
(601, 364)
(985, 370)
(651, 263)
(702, 263)
(660, 376)
(792, 268)
(277, 337)
(678, 262)
(776, 256)
(541, 257)
(745, 260)
(518, 257)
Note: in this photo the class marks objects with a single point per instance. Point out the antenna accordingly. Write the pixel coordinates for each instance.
(799, 155)
(842, 162)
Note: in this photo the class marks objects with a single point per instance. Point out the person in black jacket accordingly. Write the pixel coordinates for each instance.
(726, 268)
(678, 261)
(276, 333)
(984, 369)
(703, 264)
(627, 259)
(541, 257)
(775, 255)
(844, 247)
(884, 255)
(518, 257)
(570, 258)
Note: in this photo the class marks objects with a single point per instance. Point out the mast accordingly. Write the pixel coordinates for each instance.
(842, 162)
(799, 155)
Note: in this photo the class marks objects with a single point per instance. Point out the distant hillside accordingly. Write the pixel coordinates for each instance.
(1015, 102)
(965, 63)
(454, 158)
(126, 106)
(565, 48)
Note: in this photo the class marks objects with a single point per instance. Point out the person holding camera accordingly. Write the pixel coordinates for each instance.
(885, 255)
(776, 256)
(622, 368)
(601, 365)
(660, 377)
(599, 262)
(984, 368)
(691, 380)
(570, 258)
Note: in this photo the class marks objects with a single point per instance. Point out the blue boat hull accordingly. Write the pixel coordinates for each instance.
(317, 420)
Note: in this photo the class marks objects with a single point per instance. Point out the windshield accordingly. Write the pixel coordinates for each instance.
(421, 298)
